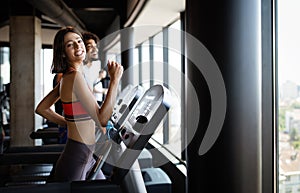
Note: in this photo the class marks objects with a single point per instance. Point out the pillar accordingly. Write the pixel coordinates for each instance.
(127, 46)
(25, 47)
(231, 32)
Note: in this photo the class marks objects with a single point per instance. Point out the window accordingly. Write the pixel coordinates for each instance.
(5, 66)
(47, 76)
(159, 59)
(175, 76)
(145, 65)
(136, 62)
(289, 98)
(4, 80)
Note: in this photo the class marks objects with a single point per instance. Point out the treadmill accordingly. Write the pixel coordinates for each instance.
(124, 103)
(45, 155)
(126, 145)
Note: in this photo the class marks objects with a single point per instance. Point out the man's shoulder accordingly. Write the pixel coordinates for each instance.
(96, 63)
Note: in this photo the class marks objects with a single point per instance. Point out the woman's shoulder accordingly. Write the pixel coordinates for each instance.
(72, 74)
(73, 78)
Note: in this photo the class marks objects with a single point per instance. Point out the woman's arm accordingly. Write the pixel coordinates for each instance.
(45, 111)
(103, 114)
(115, 71)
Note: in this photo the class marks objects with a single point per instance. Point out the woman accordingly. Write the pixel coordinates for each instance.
(81, 110)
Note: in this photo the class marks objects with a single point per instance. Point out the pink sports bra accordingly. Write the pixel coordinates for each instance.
(74, 111)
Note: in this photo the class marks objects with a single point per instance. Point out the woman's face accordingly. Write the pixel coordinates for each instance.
(74, 48)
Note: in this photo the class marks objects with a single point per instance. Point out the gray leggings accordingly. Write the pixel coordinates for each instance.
(75, 162)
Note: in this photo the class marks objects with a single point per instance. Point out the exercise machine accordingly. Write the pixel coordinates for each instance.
(126, 145)
(132, 137)
(127, 98)
(45, 155)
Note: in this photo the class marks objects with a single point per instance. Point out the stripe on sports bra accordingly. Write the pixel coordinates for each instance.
(74, 111)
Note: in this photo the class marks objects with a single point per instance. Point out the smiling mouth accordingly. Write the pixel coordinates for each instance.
(80, 53)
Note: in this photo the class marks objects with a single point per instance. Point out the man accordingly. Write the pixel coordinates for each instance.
(92, 64)
(99, 90)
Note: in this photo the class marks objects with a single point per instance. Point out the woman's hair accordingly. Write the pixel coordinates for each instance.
(59, 62)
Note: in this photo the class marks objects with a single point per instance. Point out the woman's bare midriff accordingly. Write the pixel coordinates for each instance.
(82, 131)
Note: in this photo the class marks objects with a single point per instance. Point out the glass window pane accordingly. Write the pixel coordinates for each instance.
(289, 103)
(158, 58)
(145, 65)
(175, 76)
(47, 55)
(136, 66)
(5, 66)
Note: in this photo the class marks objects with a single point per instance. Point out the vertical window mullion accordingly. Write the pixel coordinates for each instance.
(140, 64)
(151, 60)
(166, 80)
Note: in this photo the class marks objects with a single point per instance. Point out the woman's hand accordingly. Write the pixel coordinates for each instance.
(115, 70)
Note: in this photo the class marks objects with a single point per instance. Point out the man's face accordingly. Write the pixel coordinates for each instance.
(91, 50)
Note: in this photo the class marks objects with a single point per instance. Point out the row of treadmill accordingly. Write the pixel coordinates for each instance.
(122, 157)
